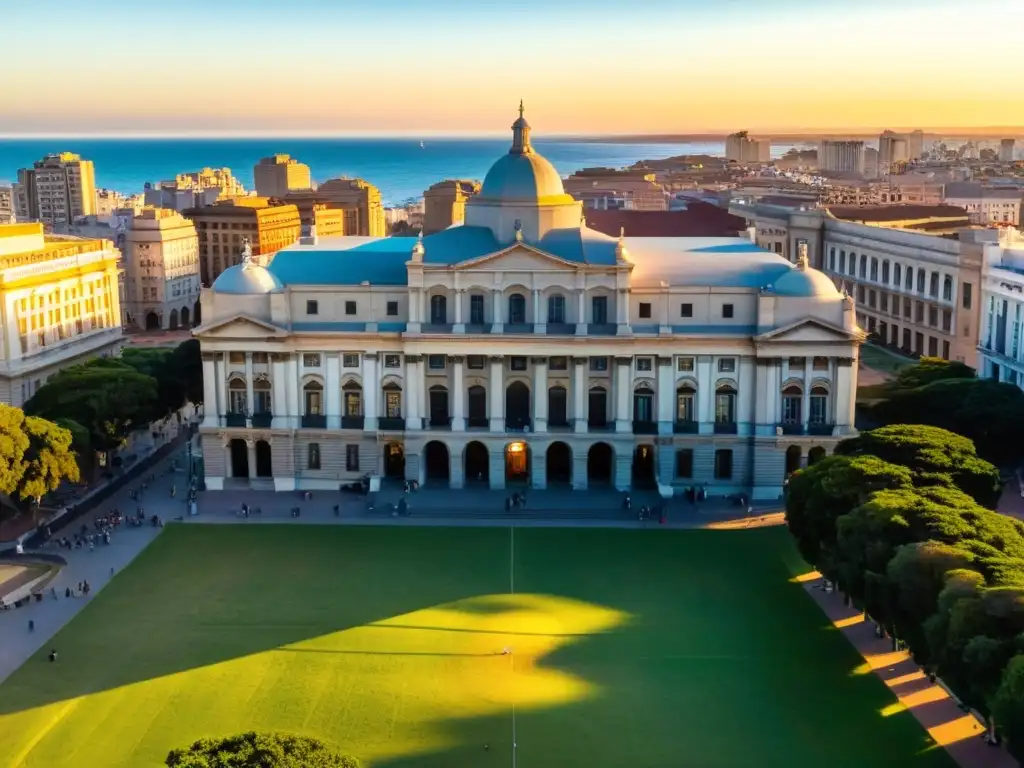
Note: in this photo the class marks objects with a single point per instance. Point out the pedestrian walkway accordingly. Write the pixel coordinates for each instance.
(959, 732)
(17, 644)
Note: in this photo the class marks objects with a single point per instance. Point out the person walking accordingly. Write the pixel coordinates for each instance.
(31, 626)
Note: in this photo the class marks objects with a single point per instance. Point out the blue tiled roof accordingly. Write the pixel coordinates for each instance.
(743, 246)
(580, 244)
(379, 261)
(455, 244)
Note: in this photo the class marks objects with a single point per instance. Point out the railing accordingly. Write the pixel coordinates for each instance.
(313, 421)
(391, 424)
(686, 427)
(478, 422)
(725, 427)
(516, 425)
(352, 422)
(234, 420)
(820, 429)
(262, 420)
(792, 428)
(645, 427)
(600, 426)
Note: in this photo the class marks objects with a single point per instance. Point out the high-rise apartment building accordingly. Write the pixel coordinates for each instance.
(915, 144)
(161, 258)
(56, 190)
(841, 157)
(278, 175)
(445, 203)
(224, 227)
(741, 148)
(361, 201)
(59, 303)
(194, 190)
(895, 148)
(1006, 147)
(6, 205)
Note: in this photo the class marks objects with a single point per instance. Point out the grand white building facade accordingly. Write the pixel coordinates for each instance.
(523, 347)
(1001, 341)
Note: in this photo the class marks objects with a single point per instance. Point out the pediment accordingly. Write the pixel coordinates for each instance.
(239, 327)
(810, 330)
(518, 258)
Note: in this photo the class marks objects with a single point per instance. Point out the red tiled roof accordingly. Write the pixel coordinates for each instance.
(698, 220)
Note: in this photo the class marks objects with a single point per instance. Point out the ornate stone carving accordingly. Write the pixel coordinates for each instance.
(456, 359)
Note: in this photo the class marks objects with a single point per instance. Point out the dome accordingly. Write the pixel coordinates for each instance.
(247, 279)
(807, 282)
(528, 177)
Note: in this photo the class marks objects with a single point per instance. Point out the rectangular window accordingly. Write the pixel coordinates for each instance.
(919, 343)
(933, 316)
(645, 363)
(945, 350)
(392, 309)
(393, 404)
(313, 458)
(352, 458)
(872, 299)
(476, 362)
(260, 357)
(883, 302)
(312, 308)
(918, 312)
(686, 310)
(728, 365)
(684, 463)
(599, 364)
(599, 310)
(727, 311)
(933, 346)
(645, 310)
(947, 320)
(350, 360)
(723, 464)
(311, 361)
(796, 362)
(906, 309)
(819, 364)
(860, 294)
(517, 363)
(392, 361)
(436, 362)
(350, 307)
(558, 363)
(685, 398)
(684, 364)
(966, 292)
(476, 309)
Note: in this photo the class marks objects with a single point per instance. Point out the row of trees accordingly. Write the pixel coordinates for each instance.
(902, 518)
(259, 750)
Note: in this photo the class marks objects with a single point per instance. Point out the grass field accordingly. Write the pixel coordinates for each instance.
(630, 648)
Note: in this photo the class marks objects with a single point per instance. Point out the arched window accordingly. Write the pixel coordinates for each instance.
(597, 404)
(236, 395)
(352, 394)
(517, 309)
(819, 405)
(438, 310)
(897, 274)
(947, 288)
(643, 403)
(725, 404)
(686, 403)
(792, 402)
(842, 262)
(313, 395)
(853, 264)
(885, 271)
(933, 285)
(556, 309)
(557, 407)
(392, 400)
(477, 406)
(920, 281)
(863, 266)
(910, 279)
(874, 269)
(832, 259)
(437, 397)
(261, 395)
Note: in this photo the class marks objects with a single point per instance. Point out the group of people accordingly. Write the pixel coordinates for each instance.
(516, 501)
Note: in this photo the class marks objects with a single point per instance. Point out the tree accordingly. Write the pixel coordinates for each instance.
(187, 362)
(935, 457)
(13, 445)
(49, 459)
(1008, 706)
(928, 370)
(259, 750)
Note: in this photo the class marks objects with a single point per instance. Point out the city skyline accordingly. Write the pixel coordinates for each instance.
(405, 67)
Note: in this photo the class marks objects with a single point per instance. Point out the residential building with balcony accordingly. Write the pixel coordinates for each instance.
(1001, 341)
(56, 190)
(525, 348)
(161, 252)
(444, 203)
(60, 302)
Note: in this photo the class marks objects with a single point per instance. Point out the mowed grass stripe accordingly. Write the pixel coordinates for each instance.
(650, 648)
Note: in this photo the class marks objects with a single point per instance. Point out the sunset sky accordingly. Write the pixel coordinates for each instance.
(460, 66)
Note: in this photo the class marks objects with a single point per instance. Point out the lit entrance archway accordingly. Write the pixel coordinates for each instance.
(599, 464)
(435, 460)
(517, 462)
(478, 463)
(264, 459)
(239, 459)
(559, 464)
(394, 461)
(643, 467)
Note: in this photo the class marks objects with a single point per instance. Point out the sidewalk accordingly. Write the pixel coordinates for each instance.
(17, 644)
(959, 732)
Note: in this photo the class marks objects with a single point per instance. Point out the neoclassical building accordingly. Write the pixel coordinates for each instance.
(523, 346)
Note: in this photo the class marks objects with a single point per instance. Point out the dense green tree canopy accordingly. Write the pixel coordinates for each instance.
(931, 369)
(259, 750)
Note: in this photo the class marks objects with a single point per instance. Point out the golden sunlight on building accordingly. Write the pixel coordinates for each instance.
(56, 190)
(278, 175)
(60, 306)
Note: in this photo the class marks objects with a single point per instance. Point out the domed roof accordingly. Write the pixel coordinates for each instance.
(801, 280)
(248, 278)
(522, 175)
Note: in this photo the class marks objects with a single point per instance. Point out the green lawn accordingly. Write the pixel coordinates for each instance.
(630, 648)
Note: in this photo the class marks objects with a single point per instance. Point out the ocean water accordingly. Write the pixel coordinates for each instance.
(400, 168)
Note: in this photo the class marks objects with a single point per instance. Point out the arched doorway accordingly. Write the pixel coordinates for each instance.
(152, 321)
(643, 467)
(597, 404)
(559, 463)
(438, 396)
(435, 460)
(517, 462)
(517, 406)
(264, 461)
(792, 459)
(816, 454)
(197, 313)
(558, 411)
(477, 407)
(478, 463)
(173, 322)
(599, 464)
(394, 461)
(184, 317)
(239, 459)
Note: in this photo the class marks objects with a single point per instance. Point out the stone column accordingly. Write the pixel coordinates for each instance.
(279, 388)
(540, 395)
(623, 417)
(459, 399)
(332, 397)
(579, 400)
(666, 396)
(250, 449)
(539, 319)
(460, 326)
(371, 392)
(579, 469)
(496, 413)
(249, 397)
(805, 400)
(581, 319)
(222, 382)
(844, 394)
(294, 387)
(496, 323)
(705, 395)
(413, 385)
(538, 469)
(746, 392)
(622, 312)
(211, 408)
